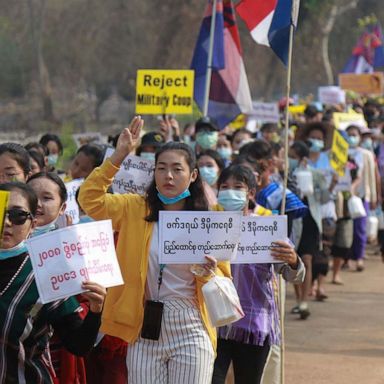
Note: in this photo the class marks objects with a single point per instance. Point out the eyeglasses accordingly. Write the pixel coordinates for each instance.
(17, 216)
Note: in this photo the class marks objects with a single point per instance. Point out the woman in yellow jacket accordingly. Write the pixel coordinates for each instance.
(159, 310)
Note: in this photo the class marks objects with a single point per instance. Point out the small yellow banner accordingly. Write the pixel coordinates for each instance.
(4, 197)
(339, 153)
(342, 120)
(364, 83)
(297, 109)
(164, 91)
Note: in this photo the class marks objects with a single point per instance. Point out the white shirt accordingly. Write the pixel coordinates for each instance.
(178, 280)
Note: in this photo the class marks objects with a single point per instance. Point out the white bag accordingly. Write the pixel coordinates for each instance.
(304, 180)
(222, 301)
(372, 227)
(356, 207)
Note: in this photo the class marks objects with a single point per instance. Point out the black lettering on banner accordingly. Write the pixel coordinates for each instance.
(147, 80)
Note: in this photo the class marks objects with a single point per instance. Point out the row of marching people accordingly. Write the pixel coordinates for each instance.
(201, 169)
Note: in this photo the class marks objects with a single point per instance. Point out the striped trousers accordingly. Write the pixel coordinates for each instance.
(182, 355)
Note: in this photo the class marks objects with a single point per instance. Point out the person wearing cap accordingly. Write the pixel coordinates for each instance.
(150, 143)
(207, 134)
(313, 114)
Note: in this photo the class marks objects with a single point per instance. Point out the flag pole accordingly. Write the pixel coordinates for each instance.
(283, 203)
(209, 61)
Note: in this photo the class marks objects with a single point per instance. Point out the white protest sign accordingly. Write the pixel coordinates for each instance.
(257, 235)
(331, 95)
(134, 176)
(186, 237)
(64, 258)
(88, 138)
(72, 208)
(266, 112)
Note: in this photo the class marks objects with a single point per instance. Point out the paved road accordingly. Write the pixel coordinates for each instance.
(342, 342)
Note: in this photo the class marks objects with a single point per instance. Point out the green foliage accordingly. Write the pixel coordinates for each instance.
(66, 131)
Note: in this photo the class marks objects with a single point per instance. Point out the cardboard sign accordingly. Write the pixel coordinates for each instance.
(257, 235)
(72, 206)
(186, 237)
(88, 138)
(331, 95)
(364, 83)
(339, 153)
(164, 91)
(265, 112)
(344, 120)
(4, 197)
(64, 258)
(134, 176)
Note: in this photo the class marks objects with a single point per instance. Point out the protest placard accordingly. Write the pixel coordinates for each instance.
(134, 176)
(164, 91)
(363, 83)
(331, 95)
(186, 237)
(88, 138)
(72, 208)
(297, 109)
(342, 120)
(257, 235)
(265, 112)
(64, 258)
(339, 153)
(4, 197)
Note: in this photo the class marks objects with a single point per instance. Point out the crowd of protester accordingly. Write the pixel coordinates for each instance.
(199, 168)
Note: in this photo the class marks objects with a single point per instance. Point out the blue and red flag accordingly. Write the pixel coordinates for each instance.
(368, 53)
(229, 92)
(269, 22)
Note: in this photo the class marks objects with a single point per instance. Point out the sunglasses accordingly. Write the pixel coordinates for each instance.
(17, 216)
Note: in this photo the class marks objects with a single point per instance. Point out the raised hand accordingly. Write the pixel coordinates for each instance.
(128, 140)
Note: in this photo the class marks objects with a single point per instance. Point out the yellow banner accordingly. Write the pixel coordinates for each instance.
(4, 196)
(164, 91)
(342, 120)
(297, 109)
(339, 153)
(364, 83)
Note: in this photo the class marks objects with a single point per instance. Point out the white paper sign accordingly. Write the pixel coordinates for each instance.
(88, 138)
(266, 112)
(331, 95)
(257, 235)
(64, 258)
(134, 176)
(186, 237)
(72, 206)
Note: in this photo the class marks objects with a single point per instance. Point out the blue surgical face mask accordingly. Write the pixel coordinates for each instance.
(293, 163)
(207, 140)
(44, 229)
(367, 144)
(316, 145)
(232, 199)
(148, 155)
(172, 200)
(85, 219)
(225, 153)
(52, 159)
(353, 141)
(209, 174)
(14, 251)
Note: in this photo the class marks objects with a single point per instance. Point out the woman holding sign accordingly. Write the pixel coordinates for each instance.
(170, 338)
(246, 343)
(26, 324)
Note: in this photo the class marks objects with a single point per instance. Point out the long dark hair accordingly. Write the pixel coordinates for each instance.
(196, 202)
